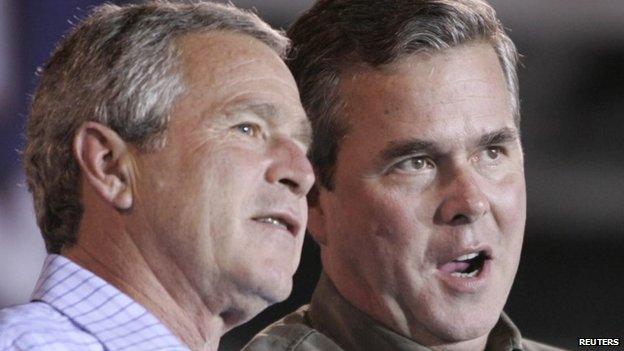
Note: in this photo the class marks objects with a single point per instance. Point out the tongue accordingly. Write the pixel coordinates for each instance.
(454, 266)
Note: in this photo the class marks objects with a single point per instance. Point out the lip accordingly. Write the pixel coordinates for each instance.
(468, 285)
(293, 223)
(453, 254)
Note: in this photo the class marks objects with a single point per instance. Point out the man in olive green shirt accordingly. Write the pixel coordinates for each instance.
(420, 205)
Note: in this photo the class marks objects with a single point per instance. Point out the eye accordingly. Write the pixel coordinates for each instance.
(250, 129)
(493, 152)
(491, 155)
(414, 164)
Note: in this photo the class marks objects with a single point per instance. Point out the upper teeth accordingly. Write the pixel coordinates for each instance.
(273, 221)
(469, 256)
(466, 275)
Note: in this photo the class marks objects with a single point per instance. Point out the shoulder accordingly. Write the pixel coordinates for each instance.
(292, 333)
(38, 326)
(530, 345)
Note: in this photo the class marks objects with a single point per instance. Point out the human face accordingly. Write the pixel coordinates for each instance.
(222, 205)
(430, 170)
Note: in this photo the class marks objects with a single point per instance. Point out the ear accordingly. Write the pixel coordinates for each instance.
(106, 163)
(316, 216)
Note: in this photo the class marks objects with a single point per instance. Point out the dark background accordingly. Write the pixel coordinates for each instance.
(571, 279)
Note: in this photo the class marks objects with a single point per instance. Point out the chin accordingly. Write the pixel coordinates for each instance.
(277, 281)
(468, 324)
(266, 286)
(243, 307)
(250, 305)
(279, 290)
(466, 332)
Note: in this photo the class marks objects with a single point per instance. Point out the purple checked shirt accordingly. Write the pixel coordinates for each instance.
(73, 309)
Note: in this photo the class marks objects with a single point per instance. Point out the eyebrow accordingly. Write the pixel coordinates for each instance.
(412, 146)
(272, 115)
(501, 136)
(400, 148)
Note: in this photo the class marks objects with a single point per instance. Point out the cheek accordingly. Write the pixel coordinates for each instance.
(215, 191)
(509, 208)
(513, 198)
(384, 223)
(384, 239)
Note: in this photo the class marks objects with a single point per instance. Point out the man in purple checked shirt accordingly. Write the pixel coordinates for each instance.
(166, 156)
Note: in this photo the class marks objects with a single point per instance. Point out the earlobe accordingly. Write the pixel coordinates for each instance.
(317, 216)
(105, 163)
(316, 225)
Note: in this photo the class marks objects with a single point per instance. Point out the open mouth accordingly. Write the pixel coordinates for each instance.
(278, 222)
(466, 266)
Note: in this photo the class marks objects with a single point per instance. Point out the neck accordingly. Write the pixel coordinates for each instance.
(475, 344)
(400, 319)
(115, 258)
(397, 317)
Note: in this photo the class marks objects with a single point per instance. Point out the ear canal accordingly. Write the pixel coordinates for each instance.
(316, 225)
(103, 157)
(126, 178)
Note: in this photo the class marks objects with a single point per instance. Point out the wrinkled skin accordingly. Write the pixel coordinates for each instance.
(431, 168)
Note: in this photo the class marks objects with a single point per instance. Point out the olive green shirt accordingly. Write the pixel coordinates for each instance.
(330, 323)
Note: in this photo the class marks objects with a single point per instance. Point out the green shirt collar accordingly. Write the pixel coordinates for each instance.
(353, 330)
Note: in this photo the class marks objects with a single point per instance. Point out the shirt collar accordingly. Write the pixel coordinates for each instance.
(334, 316)
(116, 320)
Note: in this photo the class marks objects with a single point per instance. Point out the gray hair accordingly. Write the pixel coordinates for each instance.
(337, 34)
(118, 67)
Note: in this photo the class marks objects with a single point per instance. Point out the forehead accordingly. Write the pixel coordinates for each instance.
(221, 65)
(218, 56)
(227, 73)
(441, 95)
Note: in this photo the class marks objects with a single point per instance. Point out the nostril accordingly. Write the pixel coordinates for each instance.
(460, 219)
(291, 184)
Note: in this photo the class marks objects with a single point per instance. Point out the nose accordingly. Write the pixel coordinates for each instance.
(290, 167)
(464, 201)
